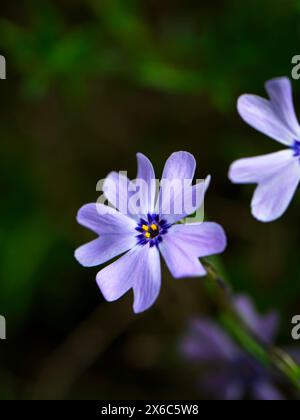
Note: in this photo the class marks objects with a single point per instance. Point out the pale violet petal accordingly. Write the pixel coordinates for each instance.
(266, 391)
(264, 326)
(206, 342)
(180, 263)
(104, 219)
(177, 176)
(118, 190)
(147, 175)
(280, 93)
(255, 169)
(138, 267)
(274, 194)
(199, 239)
(260, 114)
(104, 248)
(147, 287)
(180, 165)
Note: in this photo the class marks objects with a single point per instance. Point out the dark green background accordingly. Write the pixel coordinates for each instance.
(89, 84)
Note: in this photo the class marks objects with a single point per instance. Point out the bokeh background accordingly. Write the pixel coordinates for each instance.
(90, 83)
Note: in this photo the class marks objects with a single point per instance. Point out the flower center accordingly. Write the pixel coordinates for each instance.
(151, 230)
(296, 148)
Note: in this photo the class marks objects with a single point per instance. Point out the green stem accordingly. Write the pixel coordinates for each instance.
(267, 354)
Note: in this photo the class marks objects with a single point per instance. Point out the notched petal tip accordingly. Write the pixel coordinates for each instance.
(275, 117)
(107, 292)
(273, 196)
(77, 256)
(244, 101)
(261, 217)
(109, 180)
(81, 213)
(80, 257)
(233, 175)
(263, 214)
(277, 81)
(139, 310)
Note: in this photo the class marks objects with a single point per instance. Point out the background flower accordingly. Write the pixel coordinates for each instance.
(231, 373)
(277, 174)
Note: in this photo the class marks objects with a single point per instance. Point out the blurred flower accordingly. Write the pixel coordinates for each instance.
(232, 373)
(148, 234)
(277, 174)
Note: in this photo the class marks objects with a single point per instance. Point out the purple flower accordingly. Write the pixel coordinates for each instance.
(231, 373)
(277, 174)
(144, 236)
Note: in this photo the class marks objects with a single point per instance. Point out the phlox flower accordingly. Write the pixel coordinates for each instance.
(229, 372)
(277, 174)
(141, 238)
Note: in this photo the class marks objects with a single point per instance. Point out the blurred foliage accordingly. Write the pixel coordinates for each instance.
(89, 84)
(185, 49)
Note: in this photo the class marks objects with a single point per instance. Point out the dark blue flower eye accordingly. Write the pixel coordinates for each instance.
(152, 231)
(296, 148)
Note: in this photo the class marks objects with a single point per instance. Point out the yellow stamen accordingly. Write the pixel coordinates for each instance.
(153, 226)
(147, 235)
(145, 227)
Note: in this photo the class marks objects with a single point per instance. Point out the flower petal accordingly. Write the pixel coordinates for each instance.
(147, 285)
(180, 165)
(177, 176)
(199, 239)
(265, 326)
(177, 197)
(205, 342)
(179, 261)
(138, 269)
(104, 248)
(146, 173)
(104, 219)
(118, 189)
(266, 391)
(264, 116)
(189, 200)
(274, 194)
(280, 93)
(255, 169)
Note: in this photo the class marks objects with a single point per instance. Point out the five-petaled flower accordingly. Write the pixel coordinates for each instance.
(142, 237)
(277, 174)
